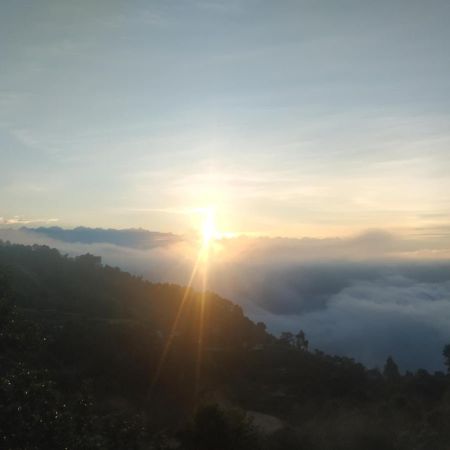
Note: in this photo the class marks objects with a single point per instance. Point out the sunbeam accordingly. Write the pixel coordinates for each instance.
(176, 321)
(201, 322)
(208, 232)
(209, 227)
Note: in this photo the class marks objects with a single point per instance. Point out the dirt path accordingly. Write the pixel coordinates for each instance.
(266, 423)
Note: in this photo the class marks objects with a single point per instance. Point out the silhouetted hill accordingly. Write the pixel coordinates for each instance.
(90, 358)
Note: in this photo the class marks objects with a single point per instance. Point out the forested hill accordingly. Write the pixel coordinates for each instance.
(83, 347)
(89, 358)
(45, 280)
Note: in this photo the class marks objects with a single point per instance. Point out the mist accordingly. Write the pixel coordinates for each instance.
(367, 296)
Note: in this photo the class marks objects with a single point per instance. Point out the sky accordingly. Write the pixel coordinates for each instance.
(294, 118)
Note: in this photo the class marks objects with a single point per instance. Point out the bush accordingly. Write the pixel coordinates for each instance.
(216, 429)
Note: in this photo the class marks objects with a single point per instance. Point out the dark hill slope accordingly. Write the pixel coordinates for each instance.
(85, 363)
(45, 280)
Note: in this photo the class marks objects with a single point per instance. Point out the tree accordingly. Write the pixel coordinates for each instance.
(287, 338)
(446, 353)
(390, 371)
(216, 429)
(5, 299)
(301, 342)
(261, 326)
(260, 334)
(89, 260)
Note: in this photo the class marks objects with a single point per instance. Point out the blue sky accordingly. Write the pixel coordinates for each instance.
(290, 118)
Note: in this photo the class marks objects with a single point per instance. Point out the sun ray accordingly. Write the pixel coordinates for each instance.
(209, 227)
(173, 329)
(208, 232)
(201, 326)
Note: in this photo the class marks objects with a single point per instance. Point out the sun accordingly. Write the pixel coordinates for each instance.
(209, 230)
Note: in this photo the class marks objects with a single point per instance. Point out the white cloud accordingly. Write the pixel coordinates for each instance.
(20, 220)
(365, 296)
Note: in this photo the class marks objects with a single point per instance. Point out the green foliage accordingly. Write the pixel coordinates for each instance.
(5, 299)
(390, 370)
(214, 428)
(36, 411)
(446, 354)
(289, 439)
(80, 344)
(286, 338)
(300, 341)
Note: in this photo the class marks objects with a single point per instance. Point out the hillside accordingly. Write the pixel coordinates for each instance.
(90, 358)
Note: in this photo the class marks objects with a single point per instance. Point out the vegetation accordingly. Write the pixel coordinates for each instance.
(85, 363)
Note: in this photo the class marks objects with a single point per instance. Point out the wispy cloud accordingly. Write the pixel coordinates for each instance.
(21, 220)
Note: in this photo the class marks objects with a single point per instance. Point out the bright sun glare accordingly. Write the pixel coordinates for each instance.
(209, 227)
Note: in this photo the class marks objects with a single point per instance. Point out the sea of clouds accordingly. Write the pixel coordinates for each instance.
(367, 296)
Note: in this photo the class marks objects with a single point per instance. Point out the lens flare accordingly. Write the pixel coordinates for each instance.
(209, 232)
(209, 227)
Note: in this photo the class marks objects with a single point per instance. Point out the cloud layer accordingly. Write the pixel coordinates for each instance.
(368, 297)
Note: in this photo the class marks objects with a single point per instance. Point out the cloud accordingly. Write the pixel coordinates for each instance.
(131, 238)
(20, 220)
(367, 296)
(391, 315)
